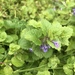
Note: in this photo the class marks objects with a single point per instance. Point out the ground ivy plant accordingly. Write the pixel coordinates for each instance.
(37, 37)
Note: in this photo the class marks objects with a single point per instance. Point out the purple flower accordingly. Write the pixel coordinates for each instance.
(45, 47)
(31, 50)
(45, 50)
(56, 43)
(74, 11)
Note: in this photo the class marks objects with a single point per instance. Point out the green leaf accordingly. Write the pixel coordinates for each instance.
(68, 69)
(65, 35)
(14, 36)
(71, 60)
(43, 73)
(48, 14)
(70, 4)
(18, 62)
(56, 26)
(34, 57)
(55, 30)
(19, 24)
(1, 56)
(71, 45)
(64, 41)
(22, 56)
(43, 62)
(8, 24)
(38, 52)
(32, 35)
(14, 23)
(48, 54)
(53, 62)
(62, 12)
(2, 50)
(13, 48)
(34, 23)
(67, 32)
(46, 25)
(24, 44)
(8, 70)
(3, 36)
(9, 39)
(24, 9)
(53, 46)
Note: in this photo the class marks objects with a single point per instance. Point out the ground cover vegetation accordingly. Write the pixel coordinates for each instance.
(37, 37)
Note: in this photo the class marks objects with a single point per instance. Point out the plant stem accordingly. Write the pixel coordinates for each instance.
(29, 69)
(36, 68)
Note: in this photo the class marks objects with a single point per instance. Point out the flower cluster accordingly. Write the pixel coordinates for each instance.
(44, 47)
